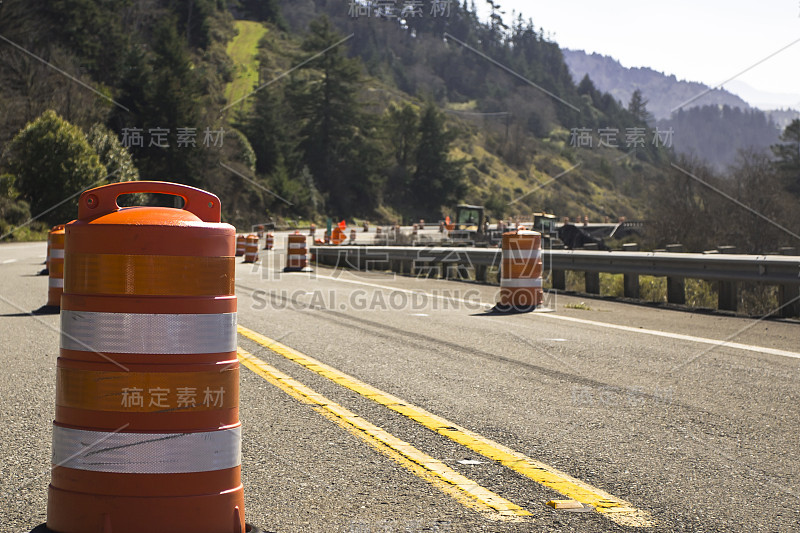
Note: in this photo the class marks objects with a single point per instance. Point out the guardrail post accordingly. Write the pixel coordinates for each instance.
(676, 287)
(592, 282)
(481, 273)
(559, 279)
(787, 293)
(728, 290)
(630, 282)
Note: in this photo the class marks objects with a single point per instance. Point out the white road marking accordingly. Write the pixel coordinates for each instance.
(7, 261)
(657, 333)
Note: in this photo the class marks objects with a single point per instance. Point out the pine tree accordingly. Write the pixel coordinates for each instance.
(638, 108)
(324, 98)
(788, 154)
(438, 181)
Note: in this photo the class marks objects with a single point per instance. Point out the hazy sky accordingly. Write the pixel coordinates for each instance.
(702, 40)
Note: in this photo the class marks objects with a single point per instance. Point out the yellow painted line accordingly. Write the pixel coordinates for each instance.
(403, 452)
(614, 508)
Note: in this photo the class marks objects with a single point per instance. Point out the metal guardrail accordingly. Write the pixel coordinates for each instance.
(728, 270)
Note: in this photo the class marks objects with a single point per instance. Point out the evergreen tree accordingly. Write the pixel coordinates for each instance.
(788, 154)
(638, 108)
(113, 156)
(324, 98)
(438, 181)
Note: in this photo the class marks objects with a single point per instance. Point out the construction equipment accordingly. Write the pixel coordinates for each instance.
(470, 227)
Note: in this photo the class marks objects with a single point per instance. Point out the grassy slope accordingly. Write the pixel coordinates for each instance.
(243, 50)
(594, 189)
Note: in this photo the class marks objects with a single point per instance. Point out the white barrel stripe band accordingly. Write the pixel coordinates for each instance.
(56, 283)
(56, 253)
(147, 453)
(528, 233)
(522, 254)
(297, 245)
(148, 333)
(521, 283)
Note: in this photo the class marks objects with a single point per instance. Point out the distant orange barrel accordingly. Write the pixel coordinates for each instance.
(338, 236)
(269, 241)
(146, 436)
(55, 264)
(241, 242)
(296, 253)
(521, 281)
(260, 231)
(352, 236)
(251, 249)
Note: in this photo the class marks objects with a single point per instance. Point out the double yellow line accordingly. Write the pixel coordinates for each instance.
(616, 509)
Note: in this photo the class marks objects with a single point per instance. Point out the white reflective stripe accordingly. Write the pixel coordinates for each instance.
(147, 453)
(56, 283)
(56, 253)
(521, 283)
(521, 254)
(297, 245)
(528, 233)
(148, 333)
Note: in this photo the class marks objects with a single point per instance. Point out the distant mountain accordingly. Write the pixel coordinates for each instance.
(664, 93)
(762, 99)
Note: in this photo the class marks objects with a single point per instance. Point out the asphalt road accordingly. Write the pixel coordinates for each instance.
(655, 407)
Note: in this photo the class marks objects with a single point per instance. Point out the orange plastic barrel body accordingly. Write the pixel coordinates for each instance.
(241, 242)
(146, 434)
(269, 241)
(296, 253)
(251, 249)
(352, 236)
(338, 236)
(521, 282)
(260, 231)
(55, 264)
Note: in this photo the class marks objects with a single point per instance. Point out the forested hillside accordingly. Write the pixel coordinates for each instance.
(301, 109)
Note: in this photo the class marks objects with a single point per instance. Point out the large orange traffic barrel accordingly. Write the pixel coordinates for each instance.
(521, 279)
(251, 249)
(296, 253)
(146, 436)
(55, 265)
(241, 242)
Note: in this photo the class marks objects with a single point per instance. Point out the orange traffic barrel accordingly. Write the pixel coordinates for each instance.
(338, 236)
(296, 254)
(260, 231)
(269, 241)
(241, 242)
(521, 280)
(146, 434)
(251, 249)
(55, 265)
(352, 236)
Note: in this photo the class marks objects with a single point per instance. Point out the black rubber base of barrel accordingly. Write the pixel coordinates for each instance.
(47, 310)
(248, 529)
(501, 309)
(304, 269)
